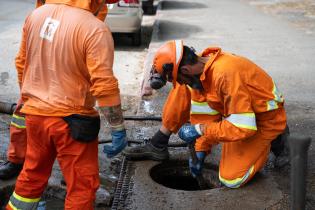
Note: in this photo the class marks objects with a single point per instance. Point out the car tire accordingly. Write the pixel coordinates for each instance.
(136, 38)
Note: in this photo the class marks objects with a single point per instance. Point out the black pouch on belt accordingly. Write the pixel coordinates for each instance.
(83, 128)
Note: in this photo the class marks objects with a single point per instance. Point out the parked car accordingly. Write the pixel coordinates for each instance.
(125, 16)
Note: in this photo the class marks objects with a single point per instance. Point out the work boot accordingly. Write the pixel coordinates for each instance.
(280, 149)
(146, 151)
(10, 170)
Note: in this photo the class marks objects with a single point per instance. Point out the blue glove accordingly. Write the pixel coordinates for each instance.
(119, 142)
(195, 169)
(189, 133)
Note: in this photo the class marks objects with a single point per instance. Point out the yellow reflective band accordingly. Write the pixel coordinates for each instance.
(18, 126)
(272, 105)
(235, 183)
(18, 117)
(202, 108)
(244, 120)
(277, 94)
(26, 200)
(18, 121)
(13, 207)
(199, 103)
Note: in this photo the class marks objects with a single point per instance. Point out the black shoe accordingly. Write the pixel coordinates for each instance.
(145, 152)
(10, 170)
(280, 149)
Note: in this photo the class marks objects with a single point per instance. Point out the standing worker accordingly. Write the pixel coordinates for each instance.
(64, 66)
(17, 146)
(227, 98)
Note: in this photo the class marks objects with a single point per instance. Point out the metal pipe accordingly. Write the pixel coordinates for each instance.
(143, 118)
(175, 144)
(298, 153)
(7, 108)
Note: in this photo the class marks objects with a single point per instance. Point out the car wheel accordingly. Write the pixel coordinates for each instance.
(136, 38)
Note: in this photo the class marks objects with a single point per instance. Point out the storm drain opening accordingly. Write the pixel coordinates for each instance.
(176, 175)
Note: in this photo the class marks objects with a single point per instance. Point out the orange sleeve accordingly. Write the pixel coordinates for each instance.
(21, 56)
(176, 109)
(203, 144)
(99, 60)
(238, 111)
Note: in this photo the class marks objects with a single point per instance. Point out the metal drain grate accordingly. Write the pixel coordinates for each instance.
(124, 186)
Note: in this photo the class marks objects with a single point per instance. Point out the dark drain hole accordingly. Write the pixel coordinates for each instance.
(176, 175)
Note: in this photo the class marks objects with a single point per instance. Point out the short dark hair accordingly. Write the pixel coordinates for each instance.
(189, 57)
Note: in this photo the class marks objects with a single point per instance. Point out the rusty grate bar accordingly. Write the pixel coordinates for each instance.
(124, 186)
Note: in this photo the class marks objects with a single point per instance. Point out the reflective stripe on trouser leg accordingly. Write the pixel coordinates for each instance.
(236, 183)
(17, 146)
(18, 121)
(18, 202)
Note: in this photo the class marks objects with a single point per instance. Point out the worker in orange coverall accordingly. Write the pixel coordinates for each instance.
(227, 99)
(64, 66)
(17, 146)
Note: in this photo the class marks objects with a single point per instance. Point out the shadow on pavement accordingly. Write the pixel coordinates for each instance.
(179, 30)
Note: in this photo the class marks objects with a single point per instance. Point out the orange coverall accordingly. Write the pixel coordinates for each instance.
(64, 65)
(17, 144)
(240, 107)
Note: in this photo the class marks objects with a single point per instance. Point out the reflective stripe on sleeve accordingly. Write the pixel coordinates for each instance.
(244, 120)
(277, 94)
(236, 183)
(278, 98)
(202, 108)
(272, 105)
(19, 202)
(18, 121)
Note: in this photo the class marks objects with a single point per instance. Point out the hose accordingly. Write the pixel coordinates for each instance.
(7, 108)
(143, 118)
(174, 144)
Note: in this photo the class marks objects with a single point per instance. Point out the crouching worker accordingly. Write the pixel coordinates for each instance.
(64, 66)
(227, 99)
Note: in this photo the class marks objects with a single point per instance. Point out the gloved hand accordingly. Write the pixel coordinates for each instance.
(189, 133)
(119, 142)
(195, 169)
